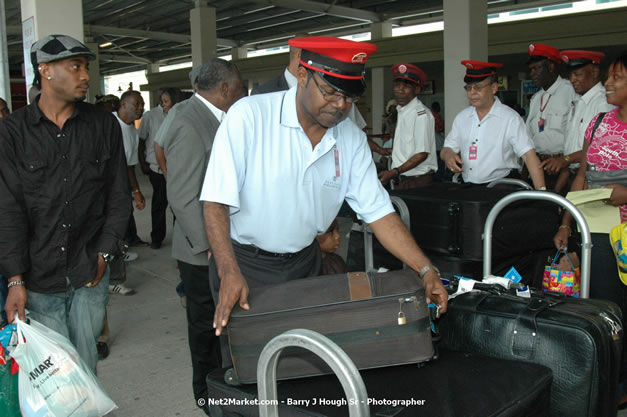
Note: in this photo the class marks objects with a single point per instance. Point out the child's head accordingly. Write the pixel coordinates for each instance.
(330, 240)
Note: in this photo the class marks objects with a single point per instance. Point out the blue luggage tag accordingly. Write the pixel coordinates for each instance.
(513, 275)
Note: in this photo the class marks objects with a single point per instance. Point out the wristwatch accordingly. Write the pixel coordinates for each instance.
(426, 269)
(106, 256)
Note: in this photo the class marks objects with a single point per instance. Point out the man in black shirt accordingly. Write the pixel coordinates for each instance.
(65, 198)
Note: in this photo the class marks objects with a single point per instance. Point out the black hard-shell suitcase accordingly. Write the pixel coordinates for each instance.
(448, 219)
(359, 311)
(456, 385)
(580, 340)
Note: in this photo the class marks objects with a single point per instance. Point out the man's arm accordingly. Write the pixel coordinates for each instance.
(140, 201)
(555, 164)
(375, 147)
(233, 286)
(395, 237)
(535, 171)
(160, 155)
(414, 161)
(187, 157)
(452, 159)
(118, 204)
(142, 157)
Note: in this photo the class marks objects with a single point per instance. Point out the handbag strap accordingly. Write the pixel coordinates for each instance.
(597, 122)
(557, 255)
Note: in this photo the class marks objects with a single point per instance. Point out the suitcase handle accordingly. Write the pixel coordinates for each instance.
(331, 353)
(547, 196)
(403, 212)
(511, 181)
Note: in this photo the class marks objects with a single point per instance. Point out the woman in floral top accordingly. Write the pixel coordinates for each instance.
(606, 151)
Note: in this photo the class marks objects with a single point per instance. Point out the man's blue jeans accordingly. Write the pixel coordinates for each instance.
(76, 314)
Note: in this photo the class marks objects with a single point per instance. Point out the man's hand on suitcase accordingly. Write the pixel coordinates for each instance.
(233, 287)
(435, 291)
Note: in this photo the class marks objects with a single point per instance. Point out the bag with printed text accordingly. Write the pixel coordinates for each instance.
(53, 380)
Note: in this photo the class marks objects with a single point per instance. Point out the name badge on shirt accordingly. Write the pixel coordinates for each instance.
(472, 152)
(541, 125)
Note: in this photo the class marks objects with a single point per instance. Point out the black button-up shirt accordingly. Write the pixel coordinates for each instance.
(64, 196)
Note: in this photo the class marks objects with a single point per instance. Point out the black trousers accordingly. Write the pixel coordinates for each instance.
(131, 229)
(261, 270)
(204, 345)
(158, 206)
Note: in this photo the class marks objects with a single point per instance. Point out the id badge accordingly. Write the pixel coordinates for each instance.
(541, 125)
(472, 153)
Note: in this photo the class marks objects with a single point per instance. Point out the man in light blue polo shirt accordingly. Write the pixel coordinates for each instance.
(280, 168)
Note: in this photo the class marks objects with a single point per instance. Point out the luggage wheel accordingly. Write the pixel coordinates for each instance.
(231, 378)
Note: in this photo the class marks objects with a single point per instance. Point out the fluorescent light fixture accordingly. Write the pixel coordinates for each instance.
(104, 45)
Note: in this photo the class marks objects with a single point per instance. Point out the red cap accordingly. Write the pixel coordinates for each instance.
(545, 51)
(334, 56)
(477, 70)
(575, 58)
(409, 72)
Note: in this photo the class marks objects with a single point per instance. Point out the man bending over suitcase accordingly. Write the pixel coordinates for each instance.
(281, 166)
(488, 138)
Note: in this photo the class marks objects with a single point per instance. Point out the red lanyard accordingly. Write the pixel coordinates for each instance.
(543, 106)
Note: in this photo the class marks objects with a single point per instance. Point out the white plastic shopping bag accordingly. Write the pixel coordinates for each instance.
(53, 380)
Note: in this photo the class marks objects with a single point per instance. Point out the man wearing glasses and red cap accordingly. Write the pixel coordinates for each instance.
(549, 108)
(281, 166)
(414, 159)
(584, 75)
(488, 138)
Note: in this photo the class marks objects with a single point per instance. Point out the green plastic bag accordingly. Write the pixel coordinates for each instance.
(9, 399)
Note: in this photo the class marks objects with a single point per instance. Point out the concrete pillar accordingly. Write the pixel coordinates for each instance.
(465, 37)
(152, 94)
(239, 53)
(380, 30)
(5, 78)
(94, 74)
(44, 17)
(203, 31)
(378, 98)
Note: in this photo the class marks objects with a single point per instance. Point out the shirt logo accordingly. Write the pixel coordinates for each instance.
(359, 58)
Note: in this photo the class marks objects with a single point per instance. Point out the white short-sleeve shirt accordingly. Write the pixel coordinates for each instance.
(415, 133)
(151, 121)
(281, 192)
(584, 108)
(548, 116)
(131, 142)
(489, 148)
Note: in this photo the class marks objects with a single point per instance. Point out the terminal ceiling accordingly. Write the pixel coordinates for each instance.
(158, 31)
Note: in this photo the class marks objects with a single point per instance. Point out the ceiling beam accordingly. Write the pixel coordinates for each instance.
(123, 58)
(329, 9)
(134, 33)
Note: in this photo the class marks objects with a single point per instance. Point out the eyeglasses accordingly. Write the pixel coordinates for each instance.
(475, 87)
(334, 97)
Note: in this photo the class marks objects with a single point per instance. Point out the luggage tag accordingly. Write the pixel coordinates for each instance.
(513, 275)
(472, 152)
(523, 292)
(463, 286)
(541, 125)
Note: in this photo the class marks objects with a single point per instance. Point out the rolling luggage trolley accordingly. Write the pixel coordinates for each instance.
(439, 389)
(579, 339)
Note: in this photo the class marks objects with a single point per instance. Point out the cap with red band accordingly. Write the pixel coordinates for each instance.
(539, 51)
(478, 71)
(409, 72)
(340, 62)
(575, 58)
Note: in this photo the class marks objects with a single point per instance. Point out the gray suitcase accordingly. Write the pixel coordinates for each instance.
(378, 319)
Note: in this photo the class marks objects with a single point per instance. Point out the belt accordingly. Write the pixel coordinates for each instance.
(258, 251)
